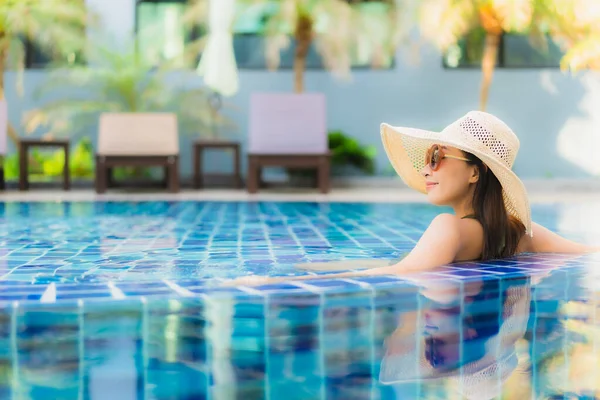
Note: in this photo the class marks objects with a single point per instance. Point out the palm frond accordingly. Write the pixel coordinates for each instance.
(514, 15)
(62, 117)
(335, 28)
(196, 13)
(278, 29)
(120, 81)
(444, 22)
(584, 54)
(575, 26)
(539, 29)
(404, 16)
(16, 58)
(57, 26)
(189, 57)
(378, 33)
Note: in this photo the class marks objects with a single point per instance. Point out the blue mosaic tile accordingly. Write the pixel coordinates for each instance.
(469, 273)
(82, 287)
(282, 288)
(131, 243)
(336, 284)
(379, 280)
(17, 296)
(62, 295)
(508, 263)
(501, 270)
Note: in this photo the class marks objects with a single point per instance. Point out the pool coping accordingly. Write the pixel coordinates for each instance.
(68, 293)
(372, 190)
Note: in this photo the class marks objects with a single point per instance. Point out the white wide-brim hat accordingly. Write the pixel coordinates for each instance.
(479, 133)
(482, 379)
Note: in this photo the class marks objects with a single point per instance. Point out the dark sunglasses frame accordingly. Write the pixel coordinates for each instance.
(436, 154)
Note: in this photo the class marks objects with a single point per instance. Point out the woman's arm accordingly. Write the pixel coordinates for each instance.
(546, 241)
(438, 246)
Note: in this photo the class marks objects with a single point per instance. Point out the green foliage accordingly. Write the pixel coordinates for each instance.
(47, 165)
(346, 150)
(82, 159)
(11, 167)
(121, 81)
(56, 27)
(348, 33)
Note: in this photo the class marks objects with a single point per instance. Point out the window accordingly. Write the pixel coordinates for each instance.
(520, 53)
(161, 33)
(37, 58)
(160, 29)
(34, 57)
(515, 51)
(250, 43)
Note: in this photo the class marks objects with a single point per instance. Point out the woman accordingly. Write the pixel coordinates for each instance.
(467, 166)
(461, 338)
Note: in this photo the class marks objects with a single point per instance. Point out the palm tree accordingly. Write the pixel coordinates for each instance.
(120, 81)
(343, 31)
(445, 22)
(577, 25)
(56, 27)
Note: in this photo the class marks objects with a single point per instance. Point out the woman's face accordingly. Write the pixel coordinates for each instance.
(453, 181)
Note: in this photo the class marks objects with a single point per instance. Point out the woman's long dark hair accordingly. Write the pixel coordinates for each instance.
(501, 231)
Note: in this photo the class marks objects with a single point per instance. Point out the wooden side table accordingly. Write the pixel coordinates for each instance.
(2, 179)
(26, 144)
(201, 145)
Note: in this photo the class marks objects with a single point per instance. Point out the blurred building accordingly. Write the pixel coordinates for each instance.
(556, 116)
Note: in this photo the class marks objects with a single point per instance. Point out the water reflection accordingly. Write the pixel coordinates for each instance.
(533, 335)
(518, 336)
(465, 337)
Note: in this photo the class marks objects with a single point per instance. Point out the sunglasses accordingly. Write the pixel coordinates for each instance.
(436, 154)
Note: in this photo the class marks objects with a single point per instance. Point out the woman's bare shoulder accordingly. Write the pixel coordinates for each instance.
(466, 233)
(471, 233)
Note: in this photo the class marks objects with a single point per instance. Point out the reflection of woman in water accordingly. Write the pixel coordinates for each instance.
(467, 166)
(468, 338)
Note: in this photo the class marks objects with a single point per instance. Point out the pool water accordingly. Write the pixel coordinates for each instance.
(121, 300)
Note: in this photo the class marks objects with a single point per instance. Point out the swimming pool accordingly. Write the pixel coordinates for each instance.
(118, 300)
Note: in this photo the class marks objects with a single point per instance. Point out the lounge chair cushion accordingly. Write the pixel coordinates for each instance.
(138, 134)
(288, 123)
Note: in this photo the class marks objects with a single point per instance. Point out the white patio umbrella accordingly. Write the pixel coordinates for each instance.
(217, 63)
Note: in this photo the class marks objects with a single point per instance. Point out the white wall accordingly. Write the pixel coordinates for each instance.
(117, 16)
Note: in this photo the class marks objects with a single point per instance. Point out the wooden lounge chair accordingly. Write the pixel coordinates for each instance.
(288, 130)
(137, 139)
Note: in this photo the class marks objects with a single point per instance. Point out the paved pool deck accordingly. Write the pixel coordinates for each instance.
(349, 190)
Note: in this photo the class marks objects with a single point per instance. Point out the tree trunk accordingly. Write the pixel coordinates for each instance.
(490, 55)
(303, 36)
